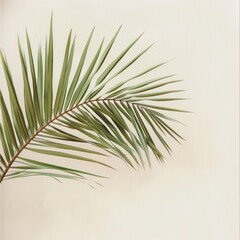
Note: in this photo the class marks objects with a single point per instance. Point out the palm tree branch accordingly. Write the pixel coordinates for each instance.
(82, 105)
(115, 120)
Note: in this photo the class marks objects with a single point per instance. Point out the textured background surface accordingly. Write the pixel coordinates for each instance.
(195, 194)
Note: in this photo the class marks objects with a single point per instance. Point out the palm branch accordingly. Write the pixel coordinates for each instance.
(91, 109)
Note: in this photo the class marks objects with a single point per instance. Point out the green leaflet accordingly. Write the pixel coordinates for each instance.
(36, 96)
(55, 167)
(66, 155)
(48, 88)
(155, 150)
(4, 145)
(164, 108)
(154, 127)
(161, 99)
(86, 80)
(78, 71)
(31, 173)
(115, 61)
(140, 130)
(2, 160)
(67, 147)
(17, 113)
(108, 48)
(130, 62)
(137, 91)
(63, 82)
(28, 101)
(61, 134)
(116, 88)
(7, 124)
(40, 85)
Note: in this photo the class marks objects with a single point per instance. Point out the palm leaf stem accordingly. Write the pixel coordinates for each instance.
(54, 119)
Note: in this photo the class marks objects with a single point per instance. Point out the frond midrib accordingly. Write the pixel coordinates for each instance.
(51, 121)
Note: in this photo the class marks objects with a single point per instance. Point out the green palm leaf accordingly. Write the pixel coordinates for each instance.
(91, 119)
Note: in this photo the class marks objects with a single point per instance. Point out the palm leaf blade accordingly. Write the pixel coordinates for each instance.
(4, 144)
(34, 80)
(18, 117)
(7, 124)
(90, 110)
(28, 101)
(40, 85)
(61, 86)
(78, 71)
(85, 82)
(48, 88)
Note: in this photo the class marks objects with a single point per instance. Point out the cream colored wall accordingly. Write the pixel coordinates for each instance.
(194, 196)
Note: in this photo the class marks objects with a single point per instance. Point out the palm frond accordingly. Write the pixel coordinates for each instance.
(90, 118)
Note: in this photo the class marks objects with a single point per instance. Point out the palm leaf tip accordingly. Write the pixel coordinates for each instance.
(85, 121)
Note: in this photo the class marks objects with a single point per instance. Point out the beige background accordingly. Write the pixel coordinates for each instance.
(194, 196)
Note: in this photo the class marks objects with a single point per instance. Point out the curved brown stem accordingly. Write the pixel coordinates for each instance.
(47, 124)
